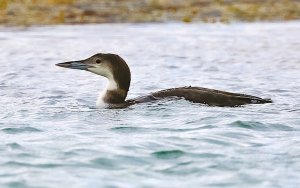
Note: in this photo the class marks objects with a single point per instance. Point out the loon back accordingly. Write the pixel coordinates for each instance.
(210, 97)
(116, 70)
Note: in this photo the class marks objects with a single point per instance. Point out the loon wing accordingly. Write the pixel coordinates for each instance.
(202, 95)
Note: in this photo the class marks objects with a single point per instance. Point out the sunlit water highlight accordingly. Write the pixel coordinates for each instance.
(53, 136)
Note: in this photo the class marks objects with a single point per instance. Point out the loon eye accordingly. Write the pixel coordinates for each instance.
(98, 61)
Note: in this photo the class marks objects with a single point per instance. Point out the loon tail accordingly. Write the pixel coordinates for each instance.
(261, 100)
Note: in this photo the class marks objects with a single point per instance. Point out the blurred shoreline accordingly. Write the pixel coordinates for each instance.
(51, 12)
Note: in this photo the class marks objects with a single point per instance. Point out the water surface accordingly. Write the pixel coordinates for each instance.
(53, 136)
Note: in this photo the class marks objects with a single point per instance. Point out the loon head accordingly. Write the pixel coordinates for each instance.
(111, 66)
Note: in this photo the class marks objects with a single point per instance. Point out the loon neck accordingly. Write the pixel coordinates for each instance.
(113, 94)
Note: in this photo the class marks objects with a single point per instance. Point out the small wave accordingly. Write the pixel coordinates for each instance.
(23, 164)
(185, 129)
(209, 155)
(168, 154)
(130, 129)
(143, 129)
(216, 141)
(16, 164)
(11, 130)
(255, 125)
(184, 168)
(14, 146)
(20, 183)
(103, 163)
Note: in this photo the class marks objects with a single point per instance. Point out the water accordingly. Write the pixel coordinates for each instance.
(53, 136)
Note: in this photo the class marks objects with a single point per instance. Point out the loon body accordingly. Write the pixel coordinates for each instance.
(116, 70)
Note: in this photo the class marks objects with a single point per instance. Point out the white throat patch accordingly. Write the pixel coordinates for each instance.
(111, 85)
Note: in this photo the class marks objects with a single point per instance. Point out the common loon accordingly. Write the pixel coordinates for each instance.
(116, 70)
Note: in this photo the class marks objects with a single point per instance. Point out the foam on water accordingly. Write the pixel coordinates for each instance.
(53, 136)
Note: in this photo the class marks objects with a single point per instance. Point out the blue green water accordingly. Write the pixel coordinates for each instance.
(53, 136)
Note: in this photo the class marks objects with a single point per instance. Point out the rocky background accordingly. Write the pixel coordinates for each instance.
(42, 12)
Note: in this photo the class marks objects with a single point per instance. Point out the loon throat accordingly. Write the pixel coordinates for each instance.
(116, 70)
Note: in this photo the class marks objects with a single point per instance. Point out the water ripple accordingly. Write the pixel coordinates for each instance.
(258, 126)
(168, 154)
(12, 130)
(53, 136)
(104, 163)
(23, 164)
(14, 146)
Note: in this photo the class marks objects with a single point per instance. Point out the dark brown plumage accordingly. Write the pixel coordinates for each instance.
(210, 97)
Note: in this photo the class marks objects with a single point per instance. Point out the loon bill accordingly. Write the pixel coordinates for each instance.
(116, 70)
